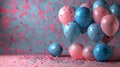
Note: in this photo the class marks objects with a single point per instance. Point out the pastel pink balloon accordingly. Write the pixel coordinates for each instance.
(66, 15)
(88, 52)
(109, 24)
(75, 51)
(99, 13)
(115, 54)
(87, 4)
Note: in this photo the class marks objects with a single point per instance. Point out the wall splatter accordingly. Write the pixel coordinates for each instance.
(29, 26)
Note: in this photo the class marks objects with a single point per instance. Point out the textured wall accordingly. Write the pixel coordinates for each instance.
(29, 26)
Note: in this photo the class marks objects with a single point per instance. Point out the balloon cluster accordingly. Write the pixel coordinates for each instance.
(101, 22)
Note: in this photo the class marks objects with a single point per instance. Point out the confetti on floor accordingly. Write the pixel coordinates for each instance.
(49, 61)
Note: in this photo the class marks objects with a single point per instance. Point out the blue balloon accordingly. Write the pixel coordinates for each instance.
(102, 52)
(83, 16)
(71, 31)
(55, 49)
(115, 10)
(100, 3)
(95, 32)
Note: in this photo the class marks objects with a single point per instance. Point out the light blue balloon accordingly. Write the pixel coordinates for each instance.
(55, 49)
(95, 32)
(102, 52)
(83, 16)
(100, 3)
(115, 10)
(71, 31)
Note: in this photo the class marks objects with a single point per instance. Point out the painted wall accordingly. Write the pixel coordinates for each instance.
(30, 26)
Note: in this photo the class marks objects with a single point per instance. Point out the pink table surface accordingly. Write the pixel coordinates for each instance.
(48, 61)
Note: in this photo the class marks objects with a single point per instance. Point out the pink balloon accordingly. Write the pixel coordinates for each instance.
(66, 14)
(87, 4)
(75, 51)
(109, 24)
(88, 52)
(98, 14)
(115, 54)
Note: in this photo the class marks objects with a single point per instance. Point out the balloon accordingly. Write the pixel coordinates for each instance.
(75, 51)
(83, 16)
(102, 52)
(98, 14)
(66, 14)
(55, 49)
(109, 25)
(106, 39)
(71, 31)
(99, 3)
(115, 55)
(95, 32)
(87, 4)
(115, 10)
(88, 52)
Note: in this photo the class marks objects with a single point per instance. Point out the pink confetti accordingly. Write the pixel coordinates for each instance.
(41, 14)
(52, 9)
(16, 27)
(22, 36)
(23, 14)
(25, 1)
(27, 40)
(59, 34)
(39, 1)
(53, 28)
(49, 3)
(73, 2)
(26, 6)
(37, 43)
(4, 10)
(6, 22)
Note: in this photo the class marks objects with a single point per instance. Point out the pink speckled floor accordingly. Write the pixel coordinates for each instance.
(48, 61)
